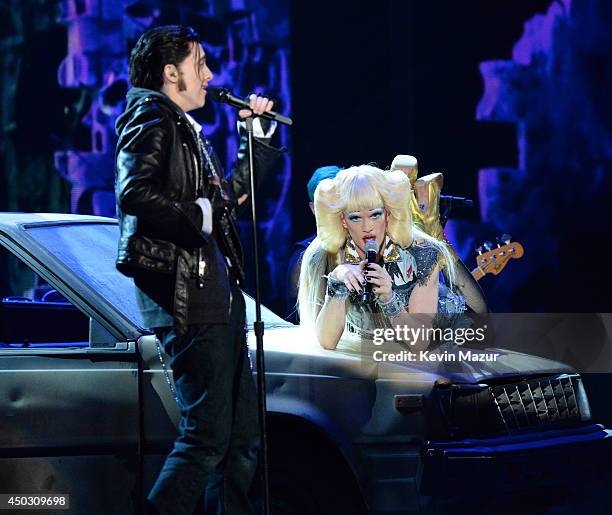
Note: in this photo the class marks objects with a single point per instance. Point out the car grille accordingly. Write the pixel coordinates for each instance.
(532, 404)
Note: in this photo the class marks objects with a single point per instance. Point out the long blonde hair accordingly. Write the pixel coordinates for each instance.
(354, 189)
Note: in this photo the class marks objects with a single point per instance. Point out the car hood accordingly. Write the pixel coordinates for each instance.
(292, 350)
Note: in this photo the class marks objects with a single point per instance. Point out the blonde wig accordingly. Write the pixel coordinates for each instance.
(362, 187)
(354, 189)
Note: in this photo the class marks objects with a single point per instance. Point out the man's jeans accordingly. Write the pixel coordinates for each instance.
(217, 448)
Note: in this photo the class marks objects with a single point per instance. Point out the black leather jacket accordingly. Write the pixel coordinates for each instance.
(160, 172)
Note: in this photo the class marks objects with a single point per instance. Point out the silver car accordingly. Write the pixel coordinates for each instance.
(86, 407)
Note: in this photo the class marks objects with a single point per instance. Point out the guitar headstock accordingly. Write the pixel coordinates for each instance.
(493, 260)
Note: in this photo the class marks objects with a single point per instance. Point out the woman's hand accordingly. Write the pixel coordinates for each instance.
(259, 105)
(381, 282)
(351, 275)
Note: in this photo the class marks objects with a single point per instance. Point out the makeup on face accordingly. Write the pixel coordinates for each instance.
(375, 214)
(366, 224)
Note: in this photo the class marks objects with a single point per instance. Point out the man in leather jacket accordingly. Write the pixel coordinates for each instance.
(178, 240)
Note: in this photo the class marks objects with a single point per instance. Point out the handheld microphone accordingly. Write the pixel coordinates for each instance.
(223, 95)
(371, 252)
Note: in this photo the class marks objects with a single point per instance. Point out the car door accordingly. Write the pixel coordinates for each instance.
(70, 421)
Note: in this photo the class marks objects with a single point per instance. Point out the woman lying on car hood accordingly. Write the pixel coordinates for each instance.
(364, 208)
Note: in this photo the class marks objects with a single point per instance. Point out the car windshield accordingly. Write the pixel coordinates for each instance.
(89, 251)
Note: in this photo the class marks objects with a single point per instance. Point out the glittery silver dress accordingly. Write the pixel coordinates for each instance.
(407, 267)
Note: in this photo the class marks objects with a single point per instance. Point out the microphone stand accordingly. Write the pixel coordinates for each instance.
(258, 327)
(447, 202)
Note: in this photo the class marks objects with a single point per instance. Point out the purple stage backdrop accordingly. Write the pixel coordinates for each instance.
(247, 45)
(519, 119)
(555, 90)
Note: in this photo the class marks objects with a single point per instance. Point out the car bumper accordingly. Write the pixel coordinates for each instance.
(516, 462)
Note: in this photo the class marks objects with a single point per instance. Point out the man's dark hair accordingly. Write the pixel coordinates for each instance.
(169, 44)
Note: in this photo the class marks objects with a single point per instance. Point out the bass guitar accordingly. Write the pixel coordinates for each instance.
(493, 260)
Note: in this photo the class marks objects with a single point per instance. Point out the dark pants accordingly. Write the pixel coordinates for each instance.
(217, 448)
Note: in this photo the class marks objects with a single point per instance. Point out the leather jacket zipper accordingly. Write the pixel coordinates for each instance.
(201, 268)
(199, 192)
(197, 177)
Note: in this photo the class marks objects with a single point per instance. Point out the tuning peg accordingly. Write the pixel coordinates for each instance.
(488, 245)
(506, 238)
(480, 249)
